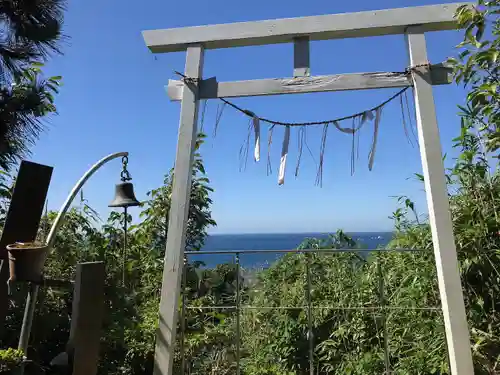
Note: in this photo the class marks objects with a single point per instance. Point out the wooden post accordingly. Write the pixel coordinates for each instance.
(23, 217)
(329, 26)
(301, 64)
(178, 215)
(211, 89)
(450, 287)
(86, 318)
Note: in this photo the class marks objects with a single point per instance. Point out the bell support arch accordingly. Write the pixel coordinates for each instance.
(412, 22)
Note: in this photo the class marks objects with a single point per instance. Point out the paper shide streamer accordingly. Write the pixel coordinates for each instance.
(356, 123)
(371, 155)
(256, 129)
(245, 147)
(269, 143)
(284, 154)
(319, 174)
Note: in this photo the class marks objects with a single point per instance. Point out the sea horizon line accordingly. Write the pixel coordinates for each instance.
(296, 233)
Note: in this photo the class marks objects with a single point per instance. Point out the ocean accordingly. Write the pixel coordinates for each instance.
(278, 241)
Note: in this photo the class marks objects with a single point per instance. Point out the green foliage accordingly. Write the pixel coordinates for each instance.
(10, 359)
(347, 293)
(474, 198)
(156, 210)
(30, 30)
(6, 184)
(477, 67)
(22, 106)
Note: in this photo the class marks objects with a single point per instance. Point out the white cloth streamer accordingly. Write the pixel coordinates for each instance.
(344, 130)
(256, 129)
(378, 114)
(368, 115)
(284, 154)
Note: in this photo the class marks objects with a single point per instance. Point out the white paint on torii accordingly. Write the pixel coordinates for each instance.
(413, 22)
(211, 89)
(331, 26)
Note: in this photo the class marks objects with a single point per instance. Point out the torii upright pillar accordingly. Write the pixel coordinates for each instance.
(178, 216)
(445, 251)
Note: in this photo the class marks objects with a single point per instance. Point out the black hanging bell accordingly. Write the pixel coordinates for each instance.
(124, 196)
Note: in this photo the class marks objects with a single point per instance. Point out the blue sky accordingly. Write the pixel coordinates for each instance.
(113, 99)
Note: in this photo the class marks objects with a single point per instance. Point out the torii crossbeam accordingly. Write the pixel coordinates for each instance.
(412, 22)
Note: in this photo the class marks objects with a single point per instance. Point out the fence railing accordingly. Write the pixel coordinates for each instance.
(238, 303)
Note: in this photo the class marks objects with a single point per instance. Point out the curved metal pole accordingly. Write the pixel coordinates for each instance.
(64, 208)
(33, 292)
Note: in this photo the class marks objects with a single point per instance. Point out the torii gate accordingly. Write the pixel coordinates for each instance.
(413, 23)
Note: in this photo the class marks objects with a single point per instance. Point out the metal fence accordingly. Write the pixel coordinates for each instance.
(382, 307)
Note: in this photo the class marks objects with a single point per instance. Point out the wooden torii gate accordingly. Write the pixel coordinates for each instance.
(413, 23)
